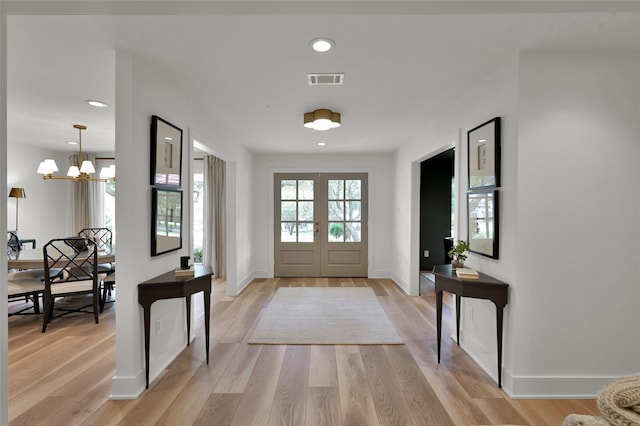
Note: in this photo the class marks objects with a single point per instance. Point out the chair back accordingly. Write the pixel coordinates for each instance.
(101, 236)
(13, 243)
(60, 255)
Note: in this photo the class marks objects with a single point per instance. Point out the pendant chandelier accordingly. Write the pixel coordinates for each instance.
(48, 167)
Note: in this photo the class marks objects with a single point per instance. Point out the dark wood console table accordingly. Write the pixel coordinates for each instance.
(485, 287)
(169, 286)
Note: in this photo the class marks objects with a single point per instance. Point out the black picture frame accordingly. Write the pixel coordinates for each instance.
(166, 220)
(483, 221)
(166, 153)
(483, 155)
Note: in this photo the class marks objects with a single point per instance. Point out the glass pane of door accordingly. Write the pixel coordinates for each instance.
(297, 210)
(344, 210)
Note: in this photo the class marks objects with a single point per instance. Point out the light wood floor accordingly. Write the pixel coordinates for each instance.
(63, 377)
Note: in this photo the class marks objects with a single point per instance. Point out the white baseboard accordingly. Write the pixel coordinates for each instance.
(401, 283)
(127, 387)
(535, 387)
(554, 387)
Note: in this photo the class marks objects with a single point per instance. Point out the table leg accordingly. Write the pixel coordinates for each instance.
(439, 319)
(188, 300)
(207, 313)
(147, 331)
(458, 297)
(499, 314)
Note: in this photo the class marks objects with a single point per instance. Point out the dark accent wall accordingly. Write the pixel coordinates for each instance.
(436, 174)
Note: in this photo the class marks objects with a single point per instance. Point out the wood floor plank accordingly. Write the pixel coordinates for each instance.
(73, 375)
(218, 410)
(257, 399)
(291, 394)
(323, 407)
(235, 377)
(499, 411)
(50, 405)
(356, 403)
(460, 407)
(322, 367)
(552, 412)
(82, 405)
(423, 402)
(384, 386)
(192, 398)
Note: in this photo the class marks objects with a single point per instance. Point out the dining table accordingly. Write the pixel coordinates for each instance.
(34, 258)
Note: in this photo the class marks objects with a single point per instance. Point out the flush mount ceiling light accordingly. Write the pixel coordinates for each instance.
(322, 119)
(321, 45)
(97, 104)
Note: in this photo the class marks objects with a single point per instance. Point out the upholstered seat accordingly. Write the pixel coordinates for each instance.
(27, 284)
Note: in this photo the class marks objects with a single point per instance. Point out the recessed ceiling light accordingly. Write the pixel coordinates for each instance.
(97, 104)
(322, 143)
(321, 44)
(168, 138)
(72, 142)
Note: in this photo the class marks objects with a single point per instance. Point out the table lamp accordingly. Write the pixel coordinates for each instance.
(17, 193)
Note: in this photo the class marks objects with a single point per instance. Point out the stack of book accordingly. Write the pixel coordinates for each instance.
(467, 274)
(185, 272)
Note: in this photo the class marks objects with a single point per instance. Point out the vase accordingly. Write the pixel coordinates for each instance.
(455, 264)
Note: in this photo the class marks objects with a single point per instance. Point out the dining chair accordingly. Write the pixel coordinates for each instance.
(103, 238)
(79, 276)
(13, 243)
(25, 284)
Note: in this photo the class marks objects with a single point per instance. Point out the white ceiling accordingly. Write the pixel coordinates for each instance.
(245, 63)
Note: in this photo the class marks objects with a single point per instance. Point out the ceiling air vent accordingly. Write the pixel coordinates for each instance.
(325, 79)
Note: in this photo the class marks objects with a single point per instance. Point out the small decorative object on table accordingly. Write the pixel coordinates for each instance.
(467, 274)
(189, 272)
(184, 262)
(457, 254)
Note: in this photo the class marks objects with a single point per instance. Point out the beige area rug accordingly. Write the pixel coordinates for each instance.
(325, 316)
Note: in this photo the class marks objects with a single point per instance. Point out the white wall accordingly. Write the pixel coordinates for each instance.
(46, 211)
(379, 168)
(577, 323)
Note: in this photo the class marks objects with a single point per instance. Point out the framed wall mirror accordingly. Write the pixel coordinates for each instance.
(482, 220)
(166, 153)
(484, 155)
(166, 220)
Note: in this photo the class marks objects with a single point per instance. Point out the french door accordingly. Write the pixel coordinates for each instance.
(320, 227)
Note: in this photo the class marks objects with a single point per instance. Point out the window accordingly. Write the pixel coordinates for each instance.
(108, 199)
(198, 211)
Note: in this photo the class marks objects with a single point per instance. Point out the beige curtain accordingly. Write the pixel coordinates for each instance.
(85, 200)
(214, 251)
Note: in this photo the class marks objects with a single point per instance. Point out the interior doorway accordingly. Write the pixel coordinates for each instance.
(437, 208)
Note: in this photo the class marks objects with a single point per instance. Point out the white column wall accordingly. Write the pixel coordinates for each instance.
(379, 166)
(578, 322)
(141, 91)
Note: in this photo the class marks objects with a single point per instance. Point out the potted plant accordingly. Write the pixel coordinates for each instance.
(457, 254)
